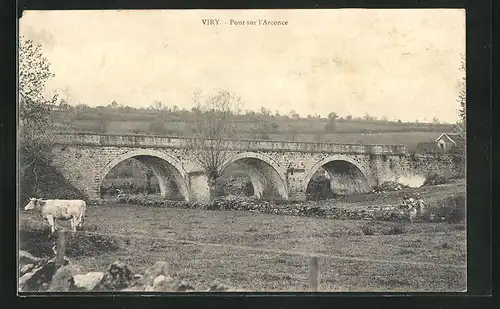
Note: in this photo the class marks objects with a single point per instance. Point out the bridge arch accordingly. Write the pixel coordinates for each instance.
(346, 175)
(265, 174)
(164, 167)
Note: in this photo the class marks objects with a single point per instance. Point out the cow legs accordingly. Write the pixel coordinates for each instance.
(80, 220)
(52, 223)
(73, 224)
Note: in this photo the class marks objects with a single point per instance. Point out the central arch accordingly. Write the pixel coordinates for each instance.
(166, 168)
(345, 174)
(264, 173)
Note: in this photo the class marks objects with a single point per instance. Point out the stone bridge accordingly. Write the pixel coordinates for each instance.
(281, 167)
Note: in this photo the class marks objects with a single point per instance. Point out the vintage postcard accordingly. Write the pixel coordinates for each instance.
(242, 151)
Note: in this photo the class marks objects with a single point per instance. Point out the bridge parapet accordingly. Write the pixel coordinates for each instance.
(146, 141)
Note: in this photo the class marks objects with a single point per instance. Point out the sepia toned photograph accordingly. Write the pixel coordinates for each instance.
(239, 151)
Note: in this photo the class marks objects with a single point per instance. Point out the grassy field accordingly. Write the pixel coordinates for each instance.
(263, 252)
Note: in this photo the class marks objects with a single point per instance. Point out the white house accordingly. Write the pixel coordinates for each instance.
(447, 141)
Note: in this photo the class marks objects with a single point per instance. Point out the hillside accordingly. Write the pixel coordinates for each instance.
(126, 120)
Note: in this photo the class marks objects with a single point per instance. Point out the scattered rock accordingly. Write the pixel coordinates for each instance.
(159, 268)
(26, 258)
(218, 287)
(118, 277)
(39, 278)
(389, 186)
(26, 268)
(88, 281)
(62, 281)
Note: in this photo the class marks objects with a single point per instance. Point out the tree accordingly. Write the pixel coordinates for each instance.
(213, 129)
(157, 105)
(435, 120)
(113, 105)
(34, 108)
(264, 111)
(294, 115)
(462, 97)
(332, 122)
(332, 116)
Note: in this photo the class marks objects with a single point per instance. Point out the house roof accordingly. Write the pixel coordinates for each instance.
(457, 128)
(455, 138)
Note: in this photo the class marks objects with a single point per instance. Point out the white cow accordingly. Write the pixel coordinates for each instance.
(73, 210)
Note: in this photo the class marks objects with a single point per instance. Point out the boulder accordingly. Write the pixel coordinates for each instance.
(118, 277)
(159, 268)
(88, 281)
(218, 286)
(27, 258)
(168, 284)
(39, 278)
(62, 281)
(26, 268)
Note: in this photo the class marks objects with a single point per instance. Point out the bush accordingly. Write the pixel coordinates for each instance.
(47, 183)
(367, 230)
(452, 209)
(390, 215)
(395, 230)
(383, 228)
(433, 179)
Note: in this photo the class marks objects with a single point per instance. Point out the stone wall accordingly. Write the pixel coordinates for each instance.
(86, 159)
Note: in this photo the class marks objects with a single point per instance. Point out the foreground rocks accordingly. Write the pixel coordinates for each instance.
(41, 275)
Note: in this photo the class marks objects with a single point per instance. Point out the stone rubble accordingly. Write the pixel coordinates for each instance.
(70, 278)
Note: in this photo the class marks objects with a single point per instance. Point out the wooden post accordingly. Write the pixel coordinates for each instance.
(313, 273)
(61, 248)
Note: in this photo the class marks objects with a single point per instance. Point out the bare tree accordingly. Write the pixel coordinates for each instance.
(34, 108)
(214, 127)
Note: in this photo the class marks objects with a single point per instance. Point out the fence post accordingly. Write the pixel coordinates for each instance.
(61, 248)
(313, 273)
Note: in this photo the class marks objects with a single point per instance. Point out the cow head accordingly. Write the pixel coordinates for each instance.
(33, 203)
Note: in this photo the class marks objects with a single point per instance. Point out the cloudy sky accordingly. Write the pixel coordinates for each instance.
(401, 64)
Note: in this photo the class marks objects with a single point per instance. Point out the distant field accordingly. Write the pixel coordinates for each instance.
(409, 139)
(263, 252)
(140, 121)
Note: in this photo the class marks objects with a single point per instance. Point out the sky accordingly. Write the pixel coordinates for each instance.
(399, 64)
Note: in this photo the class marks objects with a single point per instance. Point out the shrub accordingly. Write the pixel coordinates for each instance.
(367, 230)
(451, 208)
(395, 230)
(47, 183)
(433, 179)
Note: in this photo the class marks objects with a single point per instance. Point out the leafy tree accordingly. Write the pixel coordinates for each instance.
(332, 116)
(113, 105)
(332, 122)
(264, 111)
(294, 115)
(462, 97)
(213, 129)
(34, 107)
